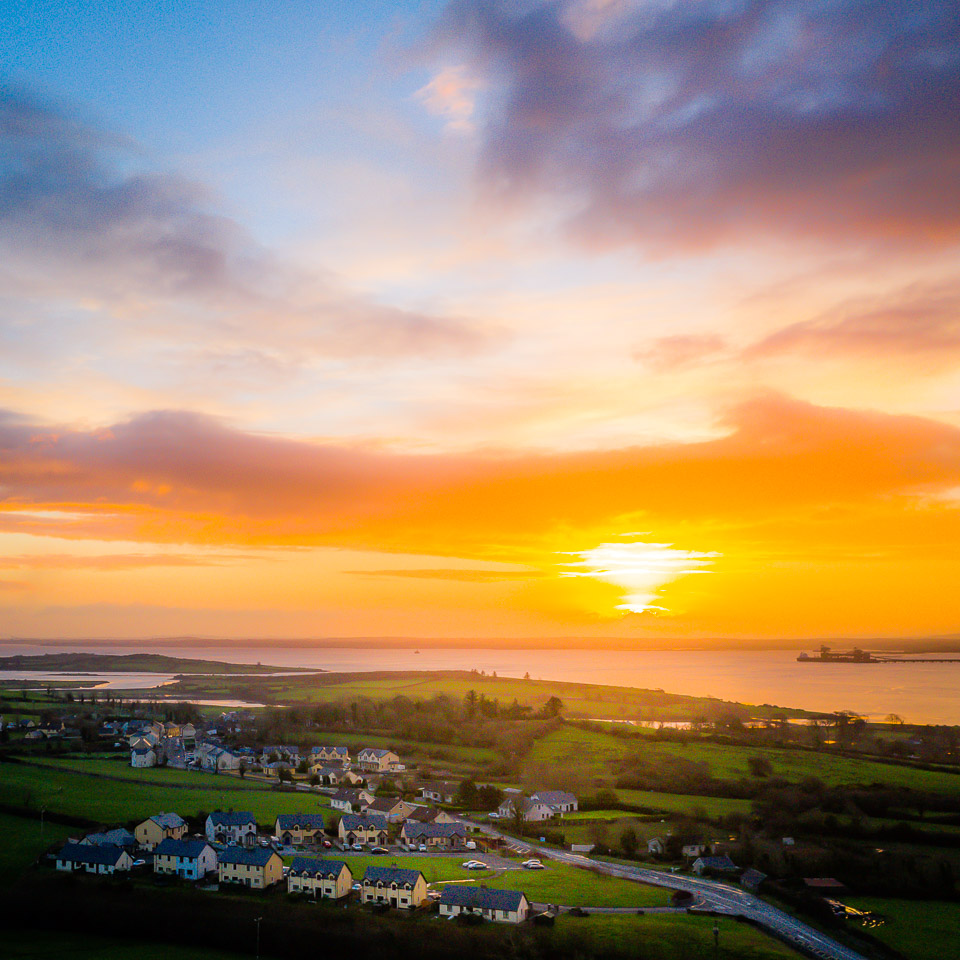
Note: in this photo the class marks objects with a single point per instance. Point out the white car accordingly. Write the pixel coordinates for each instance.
(474, 865)
(357, 846)
(422, 848)
(532, 865)
(493, 816)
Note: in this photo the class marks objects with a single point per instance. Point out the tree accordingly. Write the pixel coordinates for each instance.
(629, 843)
(894, 718)
(242, 769)
(489, 797)
(468, 795)
(759, 766)
(552, 708)
(517, 820)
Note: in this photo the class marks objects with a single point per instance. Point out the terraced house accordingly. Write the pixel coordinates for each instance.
(506, 906)
(359, 828)
(351, 801)
(337, 755)
(258, 868)
(190, 859)
(297, 829)
(93, 858)
(393, 886)
(435, 836)
(161, 826)
(237, 827)
(391, 808)
(330, 879)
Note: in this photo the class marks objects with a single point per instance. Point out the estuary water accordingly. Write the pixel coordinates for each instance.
(919, 692)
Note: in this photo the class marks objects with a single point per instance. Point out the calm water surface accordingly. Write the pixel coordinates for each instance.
(919, 692)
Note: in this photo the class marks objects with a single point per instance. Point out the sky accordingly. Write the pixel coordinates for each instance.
(581, 318)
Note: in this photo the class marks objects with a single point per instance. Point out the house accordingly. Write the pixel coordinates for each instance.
(351, 801)
(296, 829)
(259, 867)
(656, 846)
(233, 827)
(188, 733)
(337, 755)
(276, 752)
(351, 777)
(722, 864)
(393, 886)
(120, 837)
(824, 886)
(435, 836)
(559, 801)
(219, 759)
(693, 850)
(159, 827)
(507, 906)
(190, 859)
(93, 857)
(330, 879)
(329, 776)
(143, 757)
(443, 791)
(533, 810)
(752, 879)
(359, 828)
(379, 761)
(393, 809)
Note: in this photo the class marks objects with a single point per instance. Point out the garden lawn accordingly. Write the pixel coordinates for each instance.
(673, 936)
(23, 843)
(164, 775)
(114, 801)
(922, 930)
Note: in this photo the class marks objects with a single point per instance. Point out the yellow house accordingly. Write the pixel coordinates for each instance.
(331, 879)
(393, 886)
(258, 868)
(162, 826)
(296, 829)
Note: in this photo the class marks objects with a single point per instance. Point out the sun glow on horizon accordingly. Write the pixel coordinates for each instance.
(640, 569)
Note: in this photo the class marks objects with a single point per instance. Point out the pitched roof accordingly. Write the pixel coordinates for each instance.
(360, 821)
(315, 867)
(391, 875)
(105, 853)
(424, 814)
(343, 751)
(440, 786)
(181, 848)
(121, 837)
(383, 804)
(349, 794)
(553, 797)
(255, 857)
(481, 897)
(413, 829)
(376, 751)
(313, 821)
(169, 820)
(232, 818)
(718, 863)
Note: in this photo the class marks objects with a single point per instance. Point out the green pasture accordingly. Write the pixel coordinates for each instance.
(121, 769)
(23, 842)
(921, 930)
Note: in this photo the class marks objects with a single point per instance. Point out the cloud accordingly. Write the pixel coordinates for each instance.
(451, 94)
(676, 125)
(676, 352)
(117, 561)
(84, 222)
(466, 576)
(920, 320)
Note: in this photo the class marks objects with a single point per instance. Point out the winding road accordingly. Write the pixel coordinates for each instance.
(710, 895)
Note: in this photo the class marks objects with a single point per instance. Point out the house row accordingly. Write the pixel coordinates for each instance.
(235, 828)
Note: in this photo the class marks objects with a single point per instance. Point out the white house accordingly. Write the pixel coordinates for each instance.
(506, 906)
(143, 757)
(234, 827)
(533, 810)
(93, 858)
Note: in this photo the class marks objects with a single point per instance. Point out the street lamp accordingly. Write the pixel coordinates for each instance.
(257, 922)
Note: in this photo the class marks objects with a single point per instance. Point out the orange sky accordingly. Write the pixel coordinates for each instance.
(555, 319)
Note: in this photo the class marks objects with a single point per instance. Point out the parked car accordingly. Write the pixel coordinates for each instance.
(379, 851)
(474, 865)
(327, 844)
(357, 846)
(139, 863)
(355, 887)
(533, 865)
(422, 848)
(493, 816)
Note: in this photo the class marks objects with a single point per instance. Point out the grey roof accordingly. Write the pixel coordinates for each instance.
(752, 878)
(106, 853)
(718, 863)
(315, 867)
(349, 793)
(385, 804)
(483, 898)
(169, 820)
(256, 857)
(376, 751)
(343, 751)
(191, 849)
(413, 829)
(440, 786)
(120, 837)
(312, 820)
(360, 821)
(232, 818)
(554, 797)
(424, 814)
(391, 875)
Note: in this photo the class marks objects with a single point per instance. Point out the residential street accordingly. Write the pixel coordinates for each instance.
(711, 895)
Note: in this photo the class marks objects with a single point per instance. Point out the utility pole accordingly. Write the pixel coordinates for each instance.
(257, 922)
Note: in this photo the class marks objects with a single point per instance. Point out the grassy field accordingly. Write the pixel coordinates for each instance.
(661, 936)
(922, 930)
(107, 801)
(596, 756)
(580, 699)
(23, 843)
(44, 945)
(163, 775)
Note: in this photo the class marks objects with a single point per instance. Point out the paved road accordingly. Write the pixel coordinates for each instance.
(711, 895)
